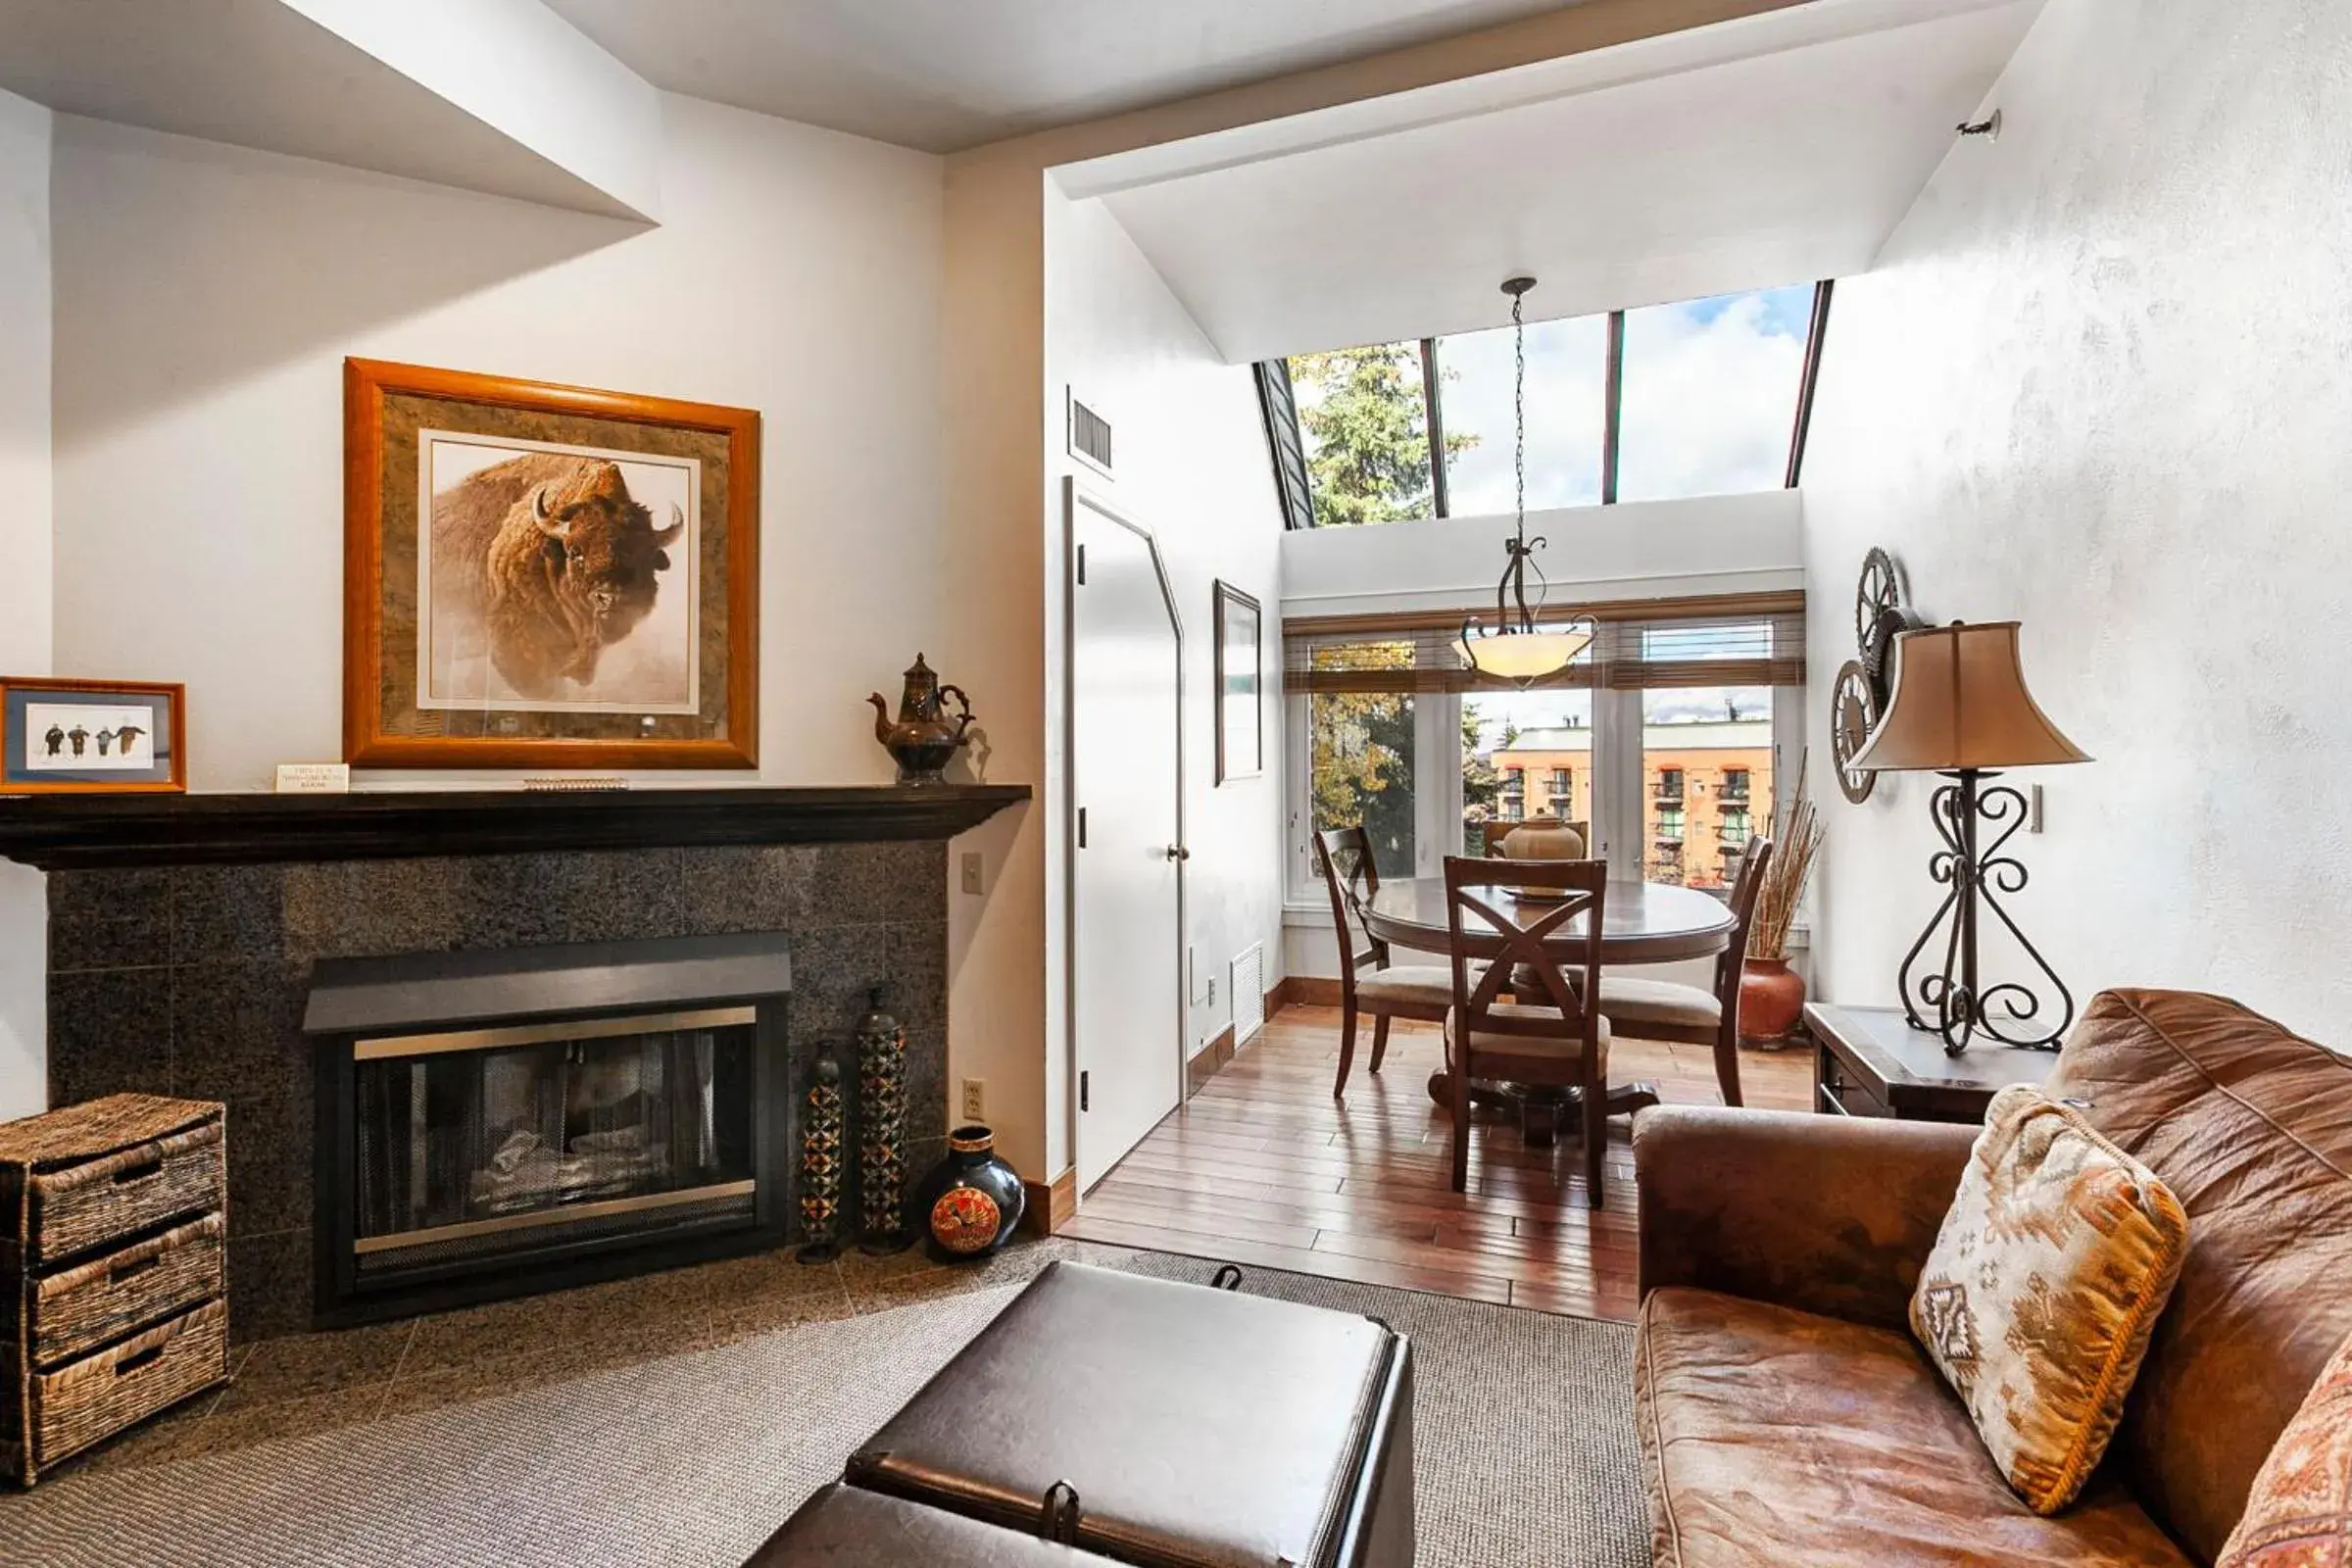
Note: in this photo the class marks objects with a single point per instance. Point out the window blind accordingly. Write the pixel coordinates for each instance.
(1723, 640)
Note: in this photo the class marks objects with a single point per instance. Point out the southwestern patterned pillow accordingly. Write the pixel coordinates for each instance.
(2044, 1282)
(2300, 1512)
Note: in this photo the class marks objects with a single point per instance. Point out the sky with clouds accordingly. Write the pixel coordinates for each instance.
(1710, 397)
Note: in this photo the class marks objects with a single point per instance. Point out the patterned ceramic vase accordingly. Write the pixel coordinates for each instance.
(971, 1201)
(882, 1131)
(822, 1111)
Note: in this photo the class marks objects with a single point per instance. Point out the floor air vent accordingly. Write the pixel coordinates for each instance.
(1248, 994)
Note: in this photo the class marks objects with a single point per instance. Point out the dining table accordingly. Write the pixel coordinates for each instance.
(1640, 924)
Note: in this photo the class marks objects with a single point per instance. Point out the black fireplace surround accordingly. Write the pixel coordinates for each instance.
(186, 935)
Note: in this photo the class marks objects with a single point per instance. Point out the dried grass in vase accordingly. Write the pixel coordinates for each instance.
(1785, 875)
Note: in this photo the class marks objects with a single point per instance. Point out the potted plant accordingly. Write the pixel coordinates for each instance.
(1772, 995)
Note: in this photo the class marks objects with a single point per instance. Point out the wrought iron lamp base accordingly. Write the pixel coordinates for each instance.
(1953, 1001)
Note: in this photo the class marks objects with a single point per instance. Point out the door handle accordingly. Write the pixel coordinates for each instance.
(1177, 851)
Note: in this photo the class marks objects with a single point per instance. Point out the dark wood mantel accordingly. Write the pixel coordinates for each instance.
(79, 832)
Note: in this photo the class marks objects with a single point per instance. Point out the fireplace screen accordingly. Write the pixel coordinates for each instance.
(477, 1143)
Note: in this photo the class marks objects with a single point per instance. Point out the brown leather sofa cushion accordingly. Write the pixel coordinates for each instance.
(1773, 1437)
(2251, 1128)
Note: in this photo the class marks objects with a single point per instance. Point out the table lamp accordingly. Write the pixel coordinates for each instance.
(1960, 707)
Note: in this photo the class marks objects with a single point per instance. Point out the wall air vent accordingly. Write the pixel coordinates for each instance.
(1089, 437)
(1248, 994)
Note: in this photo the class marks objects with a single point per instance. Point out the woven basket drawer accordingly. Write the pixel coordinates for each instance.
(101, 1201)
(84, 1401)
(80, 1308)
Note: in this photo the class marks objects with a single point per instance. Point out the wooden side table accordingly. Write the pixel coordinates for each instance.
(1869, 1062)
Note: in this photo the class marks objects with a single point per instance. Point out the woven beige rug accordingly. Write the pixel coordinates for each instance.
(1524, 1431)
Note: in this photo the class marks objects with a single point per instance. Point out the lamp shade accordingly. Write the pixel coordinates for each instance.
(1960, 701)
(1525, 654)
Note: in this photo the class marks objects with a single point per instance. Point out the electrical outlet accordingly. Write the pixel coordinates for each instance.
(975, 1100)
(973, 869)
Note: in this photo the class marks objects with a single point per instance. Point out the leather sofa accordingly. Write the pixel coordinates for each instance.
(1786, 1414)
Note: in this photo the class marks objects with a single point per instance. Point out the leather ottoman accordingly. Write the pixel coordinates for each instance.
(1168, 1425)
(852, 1529)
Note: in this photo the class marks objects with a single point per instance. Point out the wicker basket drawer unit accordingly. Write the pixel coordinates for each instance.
(113, 1240)
(89, 1400)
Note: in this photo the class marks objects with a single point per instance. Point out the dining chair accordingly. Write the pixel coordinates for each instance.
(1492, 834)
(1666, 1010)
(1549, 1036)
(1369, 983)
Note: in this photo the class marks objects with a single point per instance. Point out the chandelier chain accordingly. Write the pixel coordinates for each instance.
(1519, 415)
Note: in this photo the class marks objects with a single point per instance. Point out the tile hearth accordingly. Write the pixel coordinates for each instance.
(299, 1384)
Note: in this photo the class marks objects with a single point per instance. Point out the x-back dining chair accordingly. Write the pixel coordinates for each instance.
(1548, 1037)
(1369, 983)
(1666, 1010)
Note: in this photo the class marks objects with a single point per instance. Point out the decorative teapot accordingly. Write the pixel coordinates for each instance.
(924, 739)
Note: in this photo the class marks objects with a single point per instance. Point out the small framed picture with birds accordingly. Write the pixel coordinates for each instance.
(91, 737)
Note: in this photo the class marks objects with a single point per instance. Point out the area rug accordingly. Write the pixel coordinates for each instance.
(1523, 1422)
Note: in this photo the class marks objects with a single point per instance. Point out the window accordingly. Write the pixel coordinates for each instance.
(1508, 736)
(1710, 394)
(1660, 738)
(1721, 736)
(1360, 752)
(1709, 399)
(1363, 421)
(1567, 368)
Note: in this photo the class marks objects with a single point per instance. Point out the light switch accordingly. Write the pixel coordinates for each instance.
(973, 872)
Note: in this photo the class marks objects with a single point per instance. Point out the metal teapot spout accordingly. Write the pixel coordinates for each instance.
(882, 724)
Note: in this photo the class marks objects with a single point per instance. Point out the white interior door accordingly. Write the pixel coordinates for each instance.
(1126, 929)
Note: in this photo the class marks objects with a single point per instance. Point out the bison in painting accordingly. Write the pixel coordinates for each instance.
(544, 562)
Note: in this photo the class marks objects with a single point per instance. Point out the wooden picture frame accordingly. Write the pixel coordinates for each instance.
(40, 755)
(568, 620)
(1238, 651)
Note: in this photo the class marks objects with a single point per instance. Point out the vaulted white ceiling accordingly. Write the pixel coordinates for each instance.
(943, 75)
(1777, 149)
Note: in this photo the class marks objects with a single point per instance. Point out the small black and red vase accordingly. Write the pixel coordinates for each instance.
(971, 1201)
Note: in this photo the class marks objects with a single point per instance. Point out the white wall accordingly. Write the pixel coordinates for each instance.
(208, 296)
(1193, 467)
(25, 559)
(2097, 383)
(1638, 550)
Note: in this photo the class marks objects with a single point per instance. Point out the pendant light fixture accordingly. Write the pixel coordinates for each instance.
(1514, 649)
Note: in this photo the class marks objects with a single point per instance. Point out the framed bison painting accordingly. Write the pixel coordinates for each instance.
(546, 576)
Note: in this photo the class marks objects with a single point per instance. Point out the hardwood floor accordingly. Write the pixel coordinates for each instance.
(1265, 1167)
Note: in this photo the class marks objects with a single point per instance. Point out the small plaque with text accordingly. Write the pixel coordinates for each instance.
(314, 778)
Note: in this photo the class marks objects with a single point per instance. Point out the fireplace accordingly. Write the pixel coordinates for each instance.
(499, 1122)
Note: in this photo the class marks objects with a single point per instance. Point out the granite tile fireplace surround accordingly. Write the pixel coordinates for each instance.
(184, 931)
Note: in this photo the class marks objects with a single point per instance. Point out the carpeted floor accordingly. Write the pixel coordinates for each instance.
(1525, 1449)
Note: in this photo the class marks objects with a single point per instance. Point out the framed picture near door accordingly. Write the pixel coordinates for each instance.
(1238, 641)
(546, 576)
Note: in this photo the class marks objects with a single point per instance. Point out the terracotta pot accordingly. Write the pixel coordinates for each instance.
(1772, 998)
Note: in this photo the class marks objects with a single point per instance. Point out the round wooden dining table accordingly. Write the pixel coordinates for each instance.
(1641, 922)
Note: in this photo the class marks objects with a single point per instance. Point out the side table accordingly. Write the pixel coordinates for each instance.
(1869, 1062)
